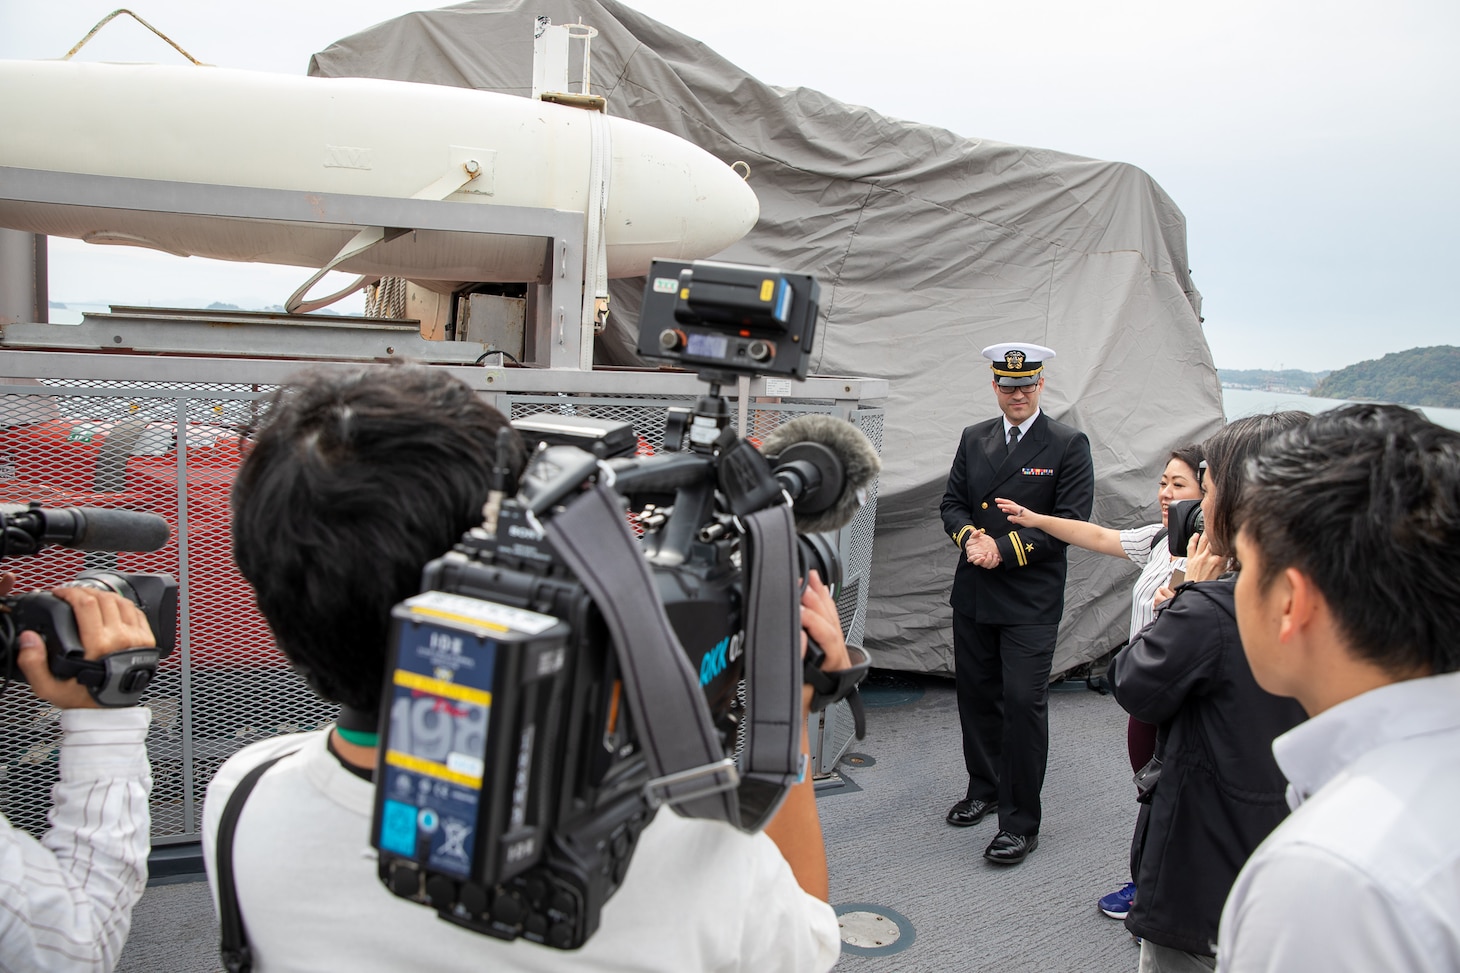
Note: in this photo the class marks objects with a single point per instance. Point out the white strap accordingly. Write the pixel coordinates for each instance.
(370, 236)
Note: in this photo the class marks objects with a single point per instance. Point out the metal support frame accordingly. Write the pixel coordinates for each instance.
(168, 331)
(558, 340)
(192, 800)
(24, 279)
(846, 393)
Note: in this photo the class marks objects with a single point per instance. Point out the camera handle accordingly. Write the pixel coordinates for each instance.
(116, 679)
(681, 745)
(832, 687)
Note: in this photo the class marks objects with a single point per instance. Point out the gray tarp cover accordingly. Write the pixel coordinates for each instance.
(929, 246)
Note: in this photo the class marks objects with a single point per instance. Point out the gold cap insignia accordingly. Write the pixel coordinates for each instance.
(1014, 359)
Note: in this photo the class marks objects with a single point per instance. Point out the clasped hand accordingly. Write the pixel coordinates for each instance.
(981, 550)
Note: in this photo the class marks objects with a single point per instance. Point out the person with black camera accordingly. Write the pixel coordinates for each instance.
(355, 481)
(1349, 601)
(1212, 792)
(66, 900)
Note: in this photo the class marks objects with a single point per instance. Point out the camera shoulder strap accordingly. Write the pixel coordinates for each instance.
(233, 945)
(680, 743)
(691, 771)
(771, 757)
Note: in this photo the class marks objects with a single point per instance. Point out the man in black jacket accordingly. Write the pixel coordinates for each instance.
(1009, 594)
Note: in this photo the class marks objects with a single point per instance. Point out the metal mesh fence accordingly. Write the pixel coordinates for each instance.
(117, 445)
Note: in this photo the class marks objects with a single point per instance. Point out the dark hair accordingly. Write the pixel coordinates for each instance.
(1189, 454)
(354, 480)
(1227, 452)
(1365, 501)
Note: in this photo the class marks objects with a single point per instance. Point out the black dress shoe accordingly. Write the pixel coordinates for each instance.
(967, 813)
(1008, 848)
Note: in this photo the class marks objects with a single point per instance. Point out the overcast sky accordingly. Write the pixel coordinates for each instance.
(1311, 145)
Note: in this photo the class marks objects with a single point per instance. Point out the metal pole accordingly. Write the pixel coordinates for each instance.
(24, 290)
(192, 789)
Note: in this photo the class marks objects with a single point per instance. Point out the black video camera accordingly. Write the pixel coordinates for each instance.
(1184, 520)
(560, 677)
(119, 678)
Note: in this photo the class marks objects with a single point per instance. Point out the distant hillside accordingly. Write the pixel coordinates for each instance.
(1287, 380)
(1420, 376)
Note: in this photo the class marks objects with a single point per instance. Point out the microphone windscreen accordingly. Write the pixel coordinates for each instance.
(860, 463)
(119, 530)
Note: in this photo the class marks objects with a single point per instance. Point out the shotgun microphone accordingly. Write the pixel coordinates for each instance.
(28, 529)
(825, 464)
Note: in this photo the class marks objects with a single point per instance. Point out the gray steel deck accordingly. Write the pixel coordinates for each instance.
(889, 847)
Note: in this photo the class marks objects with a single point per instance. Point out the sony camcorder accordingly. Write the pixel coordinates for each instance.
(621, 632)
(119, 678)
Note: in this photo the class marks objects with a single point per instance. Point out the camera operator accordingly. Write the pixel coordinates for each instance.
(357, 479)
(66, 900)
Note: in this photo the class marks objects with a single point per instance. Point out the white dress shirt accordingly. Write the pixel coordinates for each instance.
(1023, 427)
(1365, 874)
(699, 895)
(66, 900)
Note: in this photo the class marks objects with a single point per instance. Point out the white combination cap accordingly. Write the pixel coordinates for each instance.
(1017, 362)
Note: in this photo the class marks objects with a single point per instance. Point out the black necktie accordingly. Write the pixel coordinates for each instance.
(1013, 439)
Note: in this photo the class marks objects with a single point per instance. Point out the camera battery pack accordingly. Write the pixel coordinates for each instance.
(457, 799)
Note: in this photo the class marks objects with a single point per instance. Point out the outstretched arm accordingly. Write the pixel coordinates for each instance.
(1081, 533)
(1074, 495)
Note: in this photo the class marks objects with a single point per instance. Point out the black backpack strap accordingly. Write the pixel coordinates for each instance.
(233, 937)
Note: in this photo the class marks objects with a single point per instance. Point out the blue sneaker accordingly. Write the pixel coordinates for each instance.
(1116, 905)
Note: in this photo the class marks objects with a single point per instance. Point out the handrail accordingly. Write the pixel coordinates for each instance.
(123, 10)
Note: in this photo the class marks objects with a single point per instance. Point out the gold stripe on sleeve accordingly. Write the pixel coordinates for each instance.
(1018, 548)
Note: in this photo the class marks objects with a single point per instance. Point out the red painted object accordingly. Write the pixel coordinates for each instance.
(134, 465)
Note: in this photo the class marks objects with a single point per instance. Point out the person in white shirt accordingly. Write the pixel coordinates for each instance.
(66, 900)
(355, 481)
(1349, 601)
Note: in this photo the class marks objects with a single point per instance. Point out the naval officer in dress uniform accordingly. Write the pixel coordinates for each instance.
(1009, 593)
